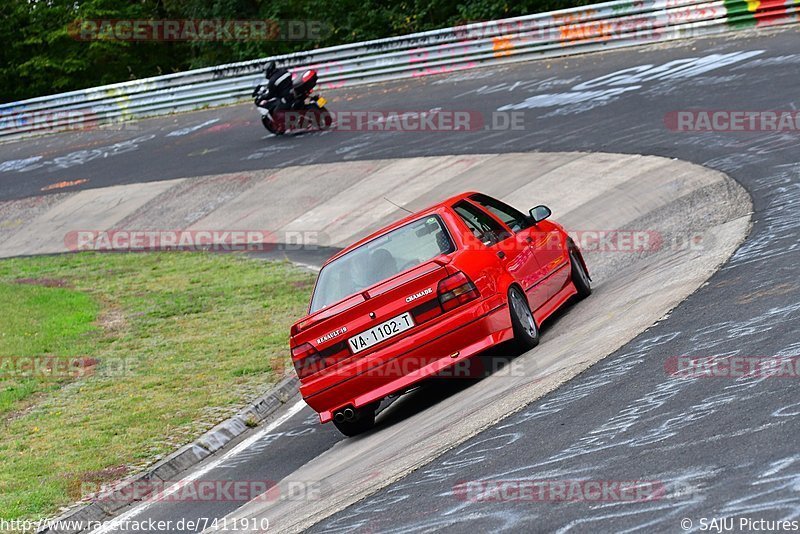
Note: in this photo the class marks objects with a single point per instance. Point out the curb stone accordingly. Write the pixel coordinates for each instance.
(107, 505)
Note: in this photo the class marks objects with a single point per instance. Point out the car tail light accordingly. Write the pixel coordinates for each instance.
(456, 290)
(427, 311)
(307, 360)
(335, 354)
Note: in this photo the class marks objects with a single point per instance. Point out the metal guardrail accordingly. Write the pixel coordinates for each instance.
(570, 31)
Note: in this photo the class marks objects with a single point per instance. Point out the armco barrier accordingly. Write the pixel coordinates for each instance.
(570, 31)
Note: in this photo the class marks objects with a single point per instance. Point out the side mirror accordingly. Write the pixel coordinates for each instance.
(540, 213)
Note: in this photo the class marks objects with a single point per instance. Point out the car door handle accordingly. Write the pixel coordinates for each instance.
(529, 240)
(501, 255)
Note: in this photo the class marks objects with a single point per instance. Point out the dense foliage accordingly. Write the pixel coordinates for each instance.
(39, 56)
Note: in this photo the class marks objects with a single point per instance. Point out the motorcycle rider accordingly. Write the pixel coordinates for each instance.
(282, 101)
(279, 85)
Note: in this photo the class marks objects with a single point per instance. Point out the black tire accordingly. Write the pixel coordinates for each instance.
(270, 126)
(580, 278)
(526, 331)
(363, 421)
(325, 118)
(316, 117)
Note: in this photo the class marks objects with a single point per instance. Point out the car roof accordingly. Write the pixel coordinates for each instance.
(436, 208)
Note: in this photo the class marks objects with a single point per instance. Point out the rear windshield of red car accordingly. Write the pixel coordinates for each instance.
(381, 258)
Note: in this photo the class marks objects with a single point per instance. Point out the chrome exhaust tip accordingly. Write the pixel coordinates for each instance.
(348, 414)
(338, 417)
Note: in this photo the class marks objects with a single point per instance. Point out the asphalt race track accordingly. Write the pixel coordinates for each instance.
(667, 201)
(723, 447)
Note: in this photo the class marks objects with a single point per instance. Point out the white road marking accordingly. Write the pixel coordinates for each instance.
(244, 445)
(18, 164)
(610, 87)
(190, 129)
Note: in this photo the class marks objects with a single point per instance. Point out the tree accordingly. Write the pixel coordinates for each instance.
(41, 55)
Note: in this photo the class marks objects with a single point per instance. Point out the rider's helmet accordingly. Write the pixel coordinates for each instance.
(270, 69)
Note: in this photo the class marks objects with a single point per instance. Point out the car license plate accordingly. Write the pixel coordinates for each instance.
(383, 331)
(321, 101)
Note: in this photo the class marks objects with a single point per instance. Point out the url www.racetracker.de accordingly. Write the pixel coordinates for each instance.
(149, 525)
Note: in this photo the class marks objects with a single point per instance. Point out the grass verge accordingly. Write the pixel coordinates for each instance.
(110, 361)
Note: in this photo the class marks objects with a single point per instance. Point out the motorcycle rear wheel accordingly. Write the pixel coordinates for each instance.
(270, 126)
(325, 119)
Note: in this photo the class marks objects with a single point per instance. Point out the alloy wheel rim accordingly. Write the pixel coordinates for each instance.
(524, 314)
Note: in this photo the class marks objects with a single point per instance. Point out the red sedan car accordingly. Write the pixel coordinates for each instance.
(429, 291)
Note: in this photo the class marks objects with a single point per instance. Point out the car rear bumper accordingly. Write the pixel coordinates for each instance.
(411, 359)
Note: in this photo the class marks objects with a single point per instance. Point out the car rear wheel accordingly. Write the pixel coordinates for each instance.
(526, 333)
(363, 420)
(580, 278)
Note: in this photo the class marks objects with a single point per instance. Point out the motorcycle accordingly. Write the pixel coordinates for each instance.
(301, 111)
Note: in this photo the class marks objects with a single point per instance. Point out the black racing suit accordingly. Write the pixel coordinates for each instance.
(279, 85)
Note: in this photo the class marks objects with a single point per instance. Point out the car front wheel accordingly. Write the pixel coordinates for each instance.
(580, 278)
